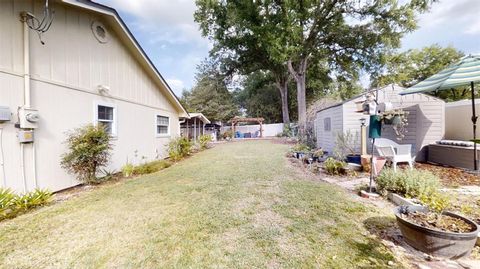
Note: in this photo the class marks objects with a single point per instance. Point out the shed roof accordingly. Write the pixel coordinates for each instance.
(140, 53)
(369, 91)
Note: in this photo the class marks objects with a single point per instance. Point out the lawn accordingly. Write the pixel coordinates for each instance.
(238, 205)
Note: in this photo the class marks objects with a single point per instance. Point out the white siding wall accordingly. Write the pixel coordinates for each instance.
(66, 72)
(326, 139)
(458, 121)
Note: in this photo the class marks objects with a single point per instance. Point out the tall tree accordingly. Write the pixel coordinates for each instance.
(259, 97)
(412, 66)
(210, 95)
(245, 38)
(346, 34)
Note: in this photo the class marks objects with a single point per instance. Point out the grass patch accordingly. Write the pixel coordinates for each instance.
(235, 206)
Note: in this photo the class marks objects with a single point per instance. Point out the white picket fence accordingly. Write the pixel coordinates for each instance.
(269, 130)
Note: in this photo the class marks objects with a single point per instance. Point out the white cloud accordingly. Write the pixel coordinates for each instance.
(463, 14)
(177, 85)
(166, 20)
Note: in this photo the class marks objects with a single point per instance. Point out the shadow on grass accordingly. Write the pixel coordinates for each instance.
(384, 228)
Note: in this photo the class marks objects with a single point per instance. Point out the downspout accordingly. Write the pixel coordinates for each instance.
(2, 160)
(27, 98)
(26, 60)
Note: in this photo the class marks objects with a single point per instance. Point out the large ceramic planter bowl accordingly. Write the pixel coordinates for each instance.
(437, 243)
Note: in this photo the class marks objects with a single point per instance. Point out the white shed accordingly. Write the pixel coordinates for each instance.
(426, 120)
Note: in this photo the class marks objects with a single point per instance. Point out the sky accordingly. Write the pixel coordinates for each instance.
(167, 32)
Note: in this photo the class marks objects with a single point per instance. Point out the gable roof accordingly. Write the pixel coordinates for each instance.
(119, 24)
(395, 86)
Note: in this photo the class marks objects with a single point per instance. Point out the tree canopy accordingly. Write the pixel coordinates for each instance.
(346, 35)
(412, 66)
(210, 95)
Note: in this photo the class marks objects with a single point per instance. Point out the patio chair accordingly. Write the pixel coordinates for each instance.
(394, 152)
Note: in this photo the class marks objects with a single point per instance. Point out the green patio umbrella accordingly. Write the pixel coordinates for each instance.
(464, 72)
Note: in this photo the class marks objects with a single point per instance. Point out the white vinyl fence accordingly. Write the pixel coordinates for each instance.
(269, 130)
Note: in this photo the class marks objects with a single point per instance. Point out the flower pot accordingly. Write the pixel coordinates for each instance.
(438, 243)
(354, 158)
(379, 164)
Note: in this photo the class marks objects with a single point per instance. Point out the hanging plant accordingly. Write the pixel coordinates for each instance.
(397, 118)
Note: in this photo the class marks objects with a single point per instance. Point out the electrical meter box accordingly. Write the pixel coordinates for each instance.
(25, 136)
(5, 114)
(28, 118)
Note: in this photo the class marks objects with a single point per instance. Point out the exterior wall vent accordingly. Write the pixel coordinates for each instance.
(100, 32)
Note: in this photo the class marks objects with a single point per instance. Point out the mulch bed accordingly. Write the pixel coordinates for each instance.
(450, 176)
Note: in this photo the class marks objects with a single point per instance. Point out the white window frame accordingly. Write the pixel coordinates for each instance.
(115, 118)
(169, 125)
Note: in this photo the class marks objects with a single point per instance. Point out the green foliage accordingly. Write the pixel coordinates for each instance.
(335, 167)
(435, 201)
(252, 35)
(300, 147)
(260, 97)
(412, 66)
(179, 148)
(204, 140)
(127, 170)
(151, 167)
(12, 204)
(345, 144)
(210, 95)
(89, 149)
(410, 183)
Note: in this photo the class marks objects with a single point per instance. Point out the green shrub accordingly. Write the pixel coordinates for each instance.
(435, 201)
(179, 148)
(12, 204)
(7, 202)
(204, 140)
(335, 167)
(151, 167)
(410, 183)
(300, 147)
(127, 170)
(89, 149)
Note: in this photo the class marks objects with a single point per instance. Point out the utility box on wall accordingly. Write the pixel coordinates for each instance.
(28, 118)
(25, 136)
(5, 114)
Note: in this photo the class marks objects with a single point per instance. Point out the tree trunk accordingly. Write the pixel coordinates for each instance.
(300, 78)
(282, 86)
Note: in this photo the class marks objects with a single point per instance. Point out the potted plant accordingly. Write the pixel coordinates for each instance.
(299, 150)
(317, 154)
(345, 147)
(434, 231)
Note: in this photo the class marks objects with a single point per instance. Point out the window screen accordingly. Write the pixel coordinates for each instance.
(162, 125)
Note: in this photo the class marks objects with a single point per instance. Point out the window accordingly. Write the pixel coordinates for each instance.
(163, 124)
(327, 124)
(106, 117)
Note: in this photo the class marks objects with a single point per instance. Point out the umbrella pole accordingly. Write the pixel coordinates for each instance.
(474, 121)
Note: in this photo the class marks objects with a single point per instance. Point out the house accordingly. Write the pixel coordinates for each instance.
(426, 120)
(194, 126)
(87, 68)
